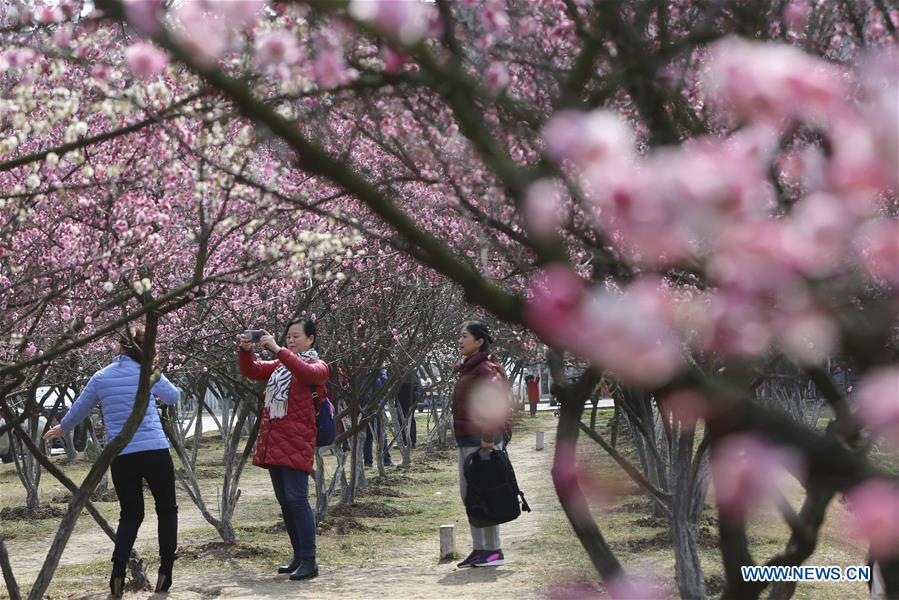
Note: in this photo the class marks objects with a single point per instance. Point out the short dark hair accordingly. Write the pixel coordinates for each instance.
(480, 331)
(309, 327)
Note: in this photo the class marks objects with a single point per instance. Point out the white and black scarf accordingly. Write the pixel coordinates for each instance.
(278, 386)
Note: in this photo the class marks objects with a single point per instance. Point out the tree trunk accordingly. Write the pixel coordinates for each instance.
(687, 565)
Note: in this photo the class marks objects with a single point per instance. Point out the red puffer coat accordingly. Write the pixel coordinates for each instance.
(477, 368)
(289, 441)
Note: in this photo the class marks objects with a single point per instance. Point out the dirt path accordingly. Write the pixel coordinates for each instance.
(411, 571)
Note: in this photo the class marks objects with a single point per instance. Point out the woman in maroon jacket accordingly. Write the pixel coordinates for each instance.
(478, 428)
(287, 433)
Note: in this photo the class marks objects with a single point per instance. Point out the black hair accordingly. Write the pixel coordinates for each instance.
(308, 327)
(133, 343)
(480, 331)
(528, 377)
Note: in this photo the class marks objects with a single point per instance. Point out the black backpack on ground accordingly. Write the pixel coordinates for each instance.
(492, 494)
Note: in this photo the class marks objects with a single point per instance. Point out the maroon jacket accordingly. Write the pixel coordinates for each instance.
(290, 441)
(477, 368)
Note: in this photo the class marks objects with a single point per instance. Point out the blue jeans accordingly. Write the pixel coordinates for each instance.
(292, 491)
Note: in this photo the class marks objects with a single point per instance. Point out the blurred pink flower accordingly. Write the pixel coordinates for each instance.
(239, 13)
(393, 59)
(632, 334)
(277, 47)
(593, 139)
(875, 509)
(745, 469)
(686, 406)
(146, 60)
(496, 77)
(817, 234)
(877, 243)
(494, 17)
(407, 20)
(553, 310)
(806, 333)
(330, 69)
(857, 171)
(202, 30)
(877, 403)
(771, 82)
(143, 15)
(571, 476)
(878, 78)
(636, 588)
(542, 208)
(795, 14)
(47, 15)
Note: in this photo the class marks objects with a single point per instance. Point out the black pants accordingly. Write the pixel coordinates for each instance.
(128, 474)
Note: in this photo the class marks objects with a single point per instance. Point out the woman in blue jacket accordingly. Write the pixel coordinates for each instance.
(146, 457)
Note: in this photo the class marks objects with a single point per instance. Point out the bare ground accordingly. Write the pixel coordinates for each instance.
(411, 570)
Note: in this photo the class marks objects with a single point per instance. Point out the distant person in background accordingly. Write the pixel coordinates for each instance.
(145, 458)
(373, 384)
(533, 385)
(408, 397)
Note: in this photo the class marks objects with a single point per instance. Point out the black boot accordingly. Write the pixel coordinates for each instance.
(307, 570)
(117, 579)
(164, 577)
(289, 568)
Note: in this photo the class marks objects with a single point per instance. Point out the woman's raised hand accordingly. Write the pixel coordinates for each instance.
(244, 343)
(268, 341)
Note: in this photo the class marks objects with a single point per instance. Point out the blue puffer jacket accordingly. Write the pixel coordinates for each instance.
(116, 386)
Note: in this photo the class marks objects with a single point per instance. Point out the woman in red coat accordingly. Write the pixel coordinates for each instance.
(287, 433)
(478, 428)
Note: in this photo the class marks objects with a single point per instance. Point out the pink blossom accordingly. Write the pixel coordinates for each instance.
(686, 406)
(745, 470)
(277, 47)
(47, 15)
(595, 139)
(496, 78)
(201, 32)
(393, 59)
(494, 18)
(857, 170)
(817, 233)
(143, 15)
(542, 208)
(19, 57)
(572, 477)
(879, 81)
(146, 60)
(63, 36)
(806, 333)
(636, 588)
(631, 334)
(795, 14)
(877, 244)
(240, 13)
(875, 510)
(877, 403)
(330, 69)
(407, 20)
(755, 81)
(552, 311)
